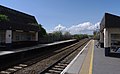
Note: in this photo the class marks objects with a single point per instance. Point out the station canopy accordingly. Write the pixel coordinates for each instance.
(17, 20)
(110, 21)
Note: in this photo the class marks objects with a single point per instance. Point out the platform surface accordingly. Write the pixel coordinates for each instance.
(33, 47)
(103, 64)
(93, 61)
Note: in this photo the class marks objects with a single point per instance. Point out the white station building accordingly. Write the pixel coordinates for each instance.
(110, 33)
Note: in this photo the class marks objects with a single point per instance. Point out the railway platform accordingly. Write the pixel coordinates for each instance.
(92, 60)
(2, 52)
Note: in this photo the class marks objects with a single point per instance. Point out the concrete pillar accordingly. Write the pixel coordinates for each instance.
(106, 38)
(8, 36)
(36, 37)
(101, 37)
(106, 42)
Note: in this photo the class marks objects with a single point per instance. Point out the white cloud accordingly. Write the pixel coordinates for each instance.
(59, 28)
(80, 28)
(84, 28)
(94, 27)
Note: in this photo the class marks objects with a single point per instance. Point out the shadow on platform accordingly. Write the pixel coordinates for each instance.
(115, 55)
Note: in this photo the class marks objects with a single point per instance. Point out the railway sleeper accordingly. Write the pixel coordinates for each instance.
(62, 64)
(5, 72)
(59, 69)
(48, 73)
(58, 66)
(54, 71)
(13, 69)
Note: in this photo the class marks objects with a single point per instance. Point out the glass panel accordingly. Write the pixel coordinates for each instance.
(115, 42)
(2, 36)
(23, 36)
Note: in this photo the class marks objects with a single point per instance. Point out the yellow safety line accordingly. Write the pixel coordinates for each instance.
(91, 61)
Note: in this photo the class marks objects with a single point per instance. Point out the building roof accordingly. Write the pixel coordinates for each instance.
(110, 21)
(18, 20)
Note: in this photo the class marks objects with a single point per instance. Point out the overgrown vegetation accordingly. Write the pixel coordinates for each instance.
(3, 17)
(42, 32)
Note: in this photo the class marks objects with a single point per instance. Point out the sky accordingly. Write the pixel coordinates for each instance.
(74, 16)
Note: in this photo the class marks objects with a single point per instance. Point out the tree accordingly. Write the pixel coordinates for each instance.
(67, 33)
(57, 34)
(42, 32)
(80, 36)
(96, 35)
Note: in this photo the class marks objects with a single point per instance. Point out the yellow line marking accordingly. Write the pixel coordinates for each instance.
(91, 61)
(87, 60)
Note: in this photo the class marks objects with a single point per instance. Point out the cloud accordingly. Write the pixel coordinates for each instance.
(59, 28)
(80, 28)
(94, 27)
(83, 28)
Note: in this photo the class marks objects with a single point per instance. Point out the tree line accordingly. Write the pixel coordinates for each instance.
(45, 37)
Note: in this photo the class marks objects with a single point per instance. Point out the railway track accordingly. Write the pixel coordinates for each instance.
(62, 63)
(18, 69)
